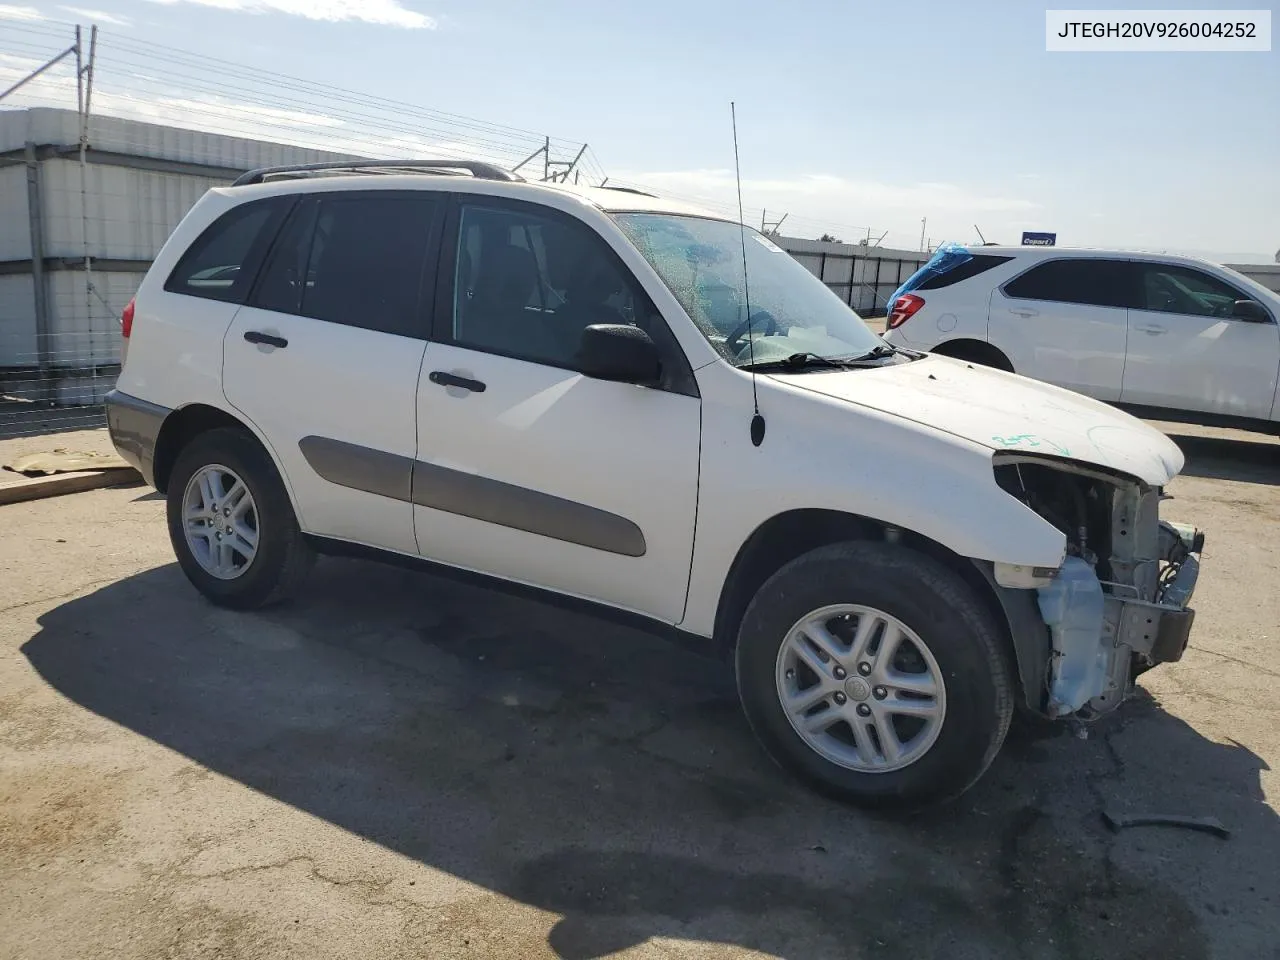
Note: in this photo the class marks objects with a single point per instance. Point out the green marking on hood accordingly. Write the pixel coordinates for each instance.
(1031, 441)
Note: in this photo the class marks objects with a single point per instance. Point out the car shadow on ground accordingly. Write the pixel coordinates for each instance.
(601, 774)
(1223, 458)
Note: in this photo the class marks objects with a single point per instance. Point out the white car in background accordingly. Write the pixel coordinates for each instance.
(1172, 337)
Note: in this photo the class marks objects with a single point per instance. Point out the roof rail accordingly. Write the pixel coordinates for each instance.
(477, 169)
(643, 193)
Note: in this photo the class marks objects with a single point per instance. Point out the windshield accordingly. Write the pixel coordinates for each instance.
(792, 311)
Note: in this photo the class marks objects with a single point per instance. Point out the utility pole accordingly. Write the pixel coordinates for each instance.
(31, 158)
(923, 220)
(84, 97)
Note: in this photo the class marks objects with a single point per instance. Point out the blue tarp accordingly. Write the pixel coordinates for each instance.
(947, 257)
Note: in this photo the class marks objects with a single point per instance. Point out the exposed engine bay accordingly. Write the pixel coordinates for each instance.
(1118, 604)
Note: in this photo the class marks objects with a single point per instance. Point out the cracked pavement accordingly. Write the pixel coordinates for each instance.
(400, 766)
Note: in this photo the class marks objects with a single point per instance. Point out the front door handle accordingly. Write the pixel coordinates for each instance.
(453, 380)
(1151, 328)
(266, 339)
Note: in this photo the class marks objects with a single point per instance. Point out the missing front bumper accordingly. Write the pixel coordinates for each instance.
(1101, 641)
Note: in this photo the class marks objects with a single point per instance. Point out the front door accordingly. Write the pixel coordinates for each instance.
(1064, 321)
(527, 469)
(324, 358)
(1186, 351)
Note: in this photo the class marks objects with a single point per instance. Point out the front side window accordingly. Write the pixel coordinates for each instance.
(1172, 289)
(1084, 280)
(220, 264)
(792, 311)
(527, 284)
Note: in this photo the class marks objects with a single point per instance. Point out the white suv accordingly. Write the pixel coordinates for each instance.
(564, 390)
(1170, 337)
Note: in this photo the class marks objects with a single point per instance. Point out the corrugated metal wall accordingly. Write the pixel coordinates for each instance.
(134, 192)
(863, 277)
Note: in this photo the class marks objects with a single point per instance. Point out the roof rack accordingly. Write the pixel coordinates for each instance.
(477, 169)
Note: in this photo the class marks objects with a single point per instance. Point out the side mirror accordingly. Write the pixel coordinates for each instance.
(1250, 310)
(617, 351)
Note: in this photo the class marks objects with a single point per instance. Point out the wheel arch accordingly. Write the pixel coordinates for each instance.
(786, 536)
(185, 424)
(977, 351)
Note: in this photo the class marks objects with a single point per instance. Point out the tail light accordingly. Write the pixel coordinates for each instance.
(126, 321)
(903, 309)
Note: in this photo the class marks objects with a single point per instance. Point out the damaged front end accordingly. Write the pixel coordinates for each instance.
(1117, 605)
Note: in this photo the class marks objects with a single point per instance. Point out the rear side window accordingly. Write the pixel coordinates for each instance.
(221, 263)
(976, 264)
(1086, 280)
(356, 259)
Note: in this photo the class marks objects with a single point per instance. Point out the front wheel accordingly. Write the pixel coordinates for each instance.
(875, 674)
(231, 523)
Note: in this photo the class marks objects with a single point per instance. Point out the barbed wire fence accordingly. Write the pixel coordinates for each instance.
(101, 190)
(101, 194)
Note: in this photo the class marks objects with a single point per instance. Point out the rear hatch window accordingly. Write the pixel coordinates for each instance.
(949, 264)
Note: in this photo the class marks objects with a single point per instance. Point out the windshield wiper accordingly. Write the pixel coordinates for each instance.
(883, 350)
(796, 361)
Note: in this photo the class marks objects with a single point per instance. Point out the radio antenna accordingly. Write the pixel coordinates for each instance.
(757, 421)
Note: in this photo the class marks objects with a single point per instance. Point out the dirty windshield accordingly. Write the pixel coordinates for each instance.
(792, 312)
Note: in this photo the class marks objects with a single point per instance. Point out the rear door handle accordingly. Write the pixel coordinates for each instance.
(1151, 328)
(453, 380)
(1024, 312)
(266, 339)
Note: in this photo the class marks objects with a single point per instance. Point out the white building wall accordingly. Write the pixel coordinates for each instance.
(17, 321)
(130, 212)
(127, 213)
(15, 229)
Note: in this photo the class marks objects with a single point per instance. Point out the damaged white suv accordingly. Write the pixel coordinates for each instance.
(606, 397)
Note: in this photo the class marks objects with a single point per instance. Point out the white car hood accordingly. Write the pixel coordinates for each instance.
(1004, 412)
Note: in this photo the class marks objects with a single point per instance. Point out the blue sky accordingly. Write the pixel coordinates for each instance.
(851, 115)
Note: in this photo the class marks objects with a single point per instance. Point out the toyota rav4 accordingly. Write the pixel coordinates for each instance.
(604, 397)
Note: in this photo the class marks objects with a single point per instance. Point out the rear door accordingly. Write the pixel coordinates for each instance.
(1065, 321)
(324, 358)
(1186, 351)
(174, 356)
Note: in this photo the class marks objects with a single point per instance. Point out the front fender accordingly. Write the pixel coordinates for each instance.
(823, 453)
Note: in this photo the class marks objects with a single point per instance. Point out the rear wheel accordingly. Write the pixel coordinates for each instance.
(231, 523)
(875, 674)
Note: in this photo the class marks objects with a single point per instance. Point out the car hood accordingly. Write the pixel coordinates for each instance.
(1004, 411)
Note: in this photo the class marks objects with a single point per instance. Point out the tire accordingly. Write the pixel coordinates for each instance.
(281, 557)
(896, 588)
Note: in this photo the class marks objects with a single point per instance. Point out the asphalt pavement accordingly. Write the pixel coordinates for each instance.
(400, 766)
